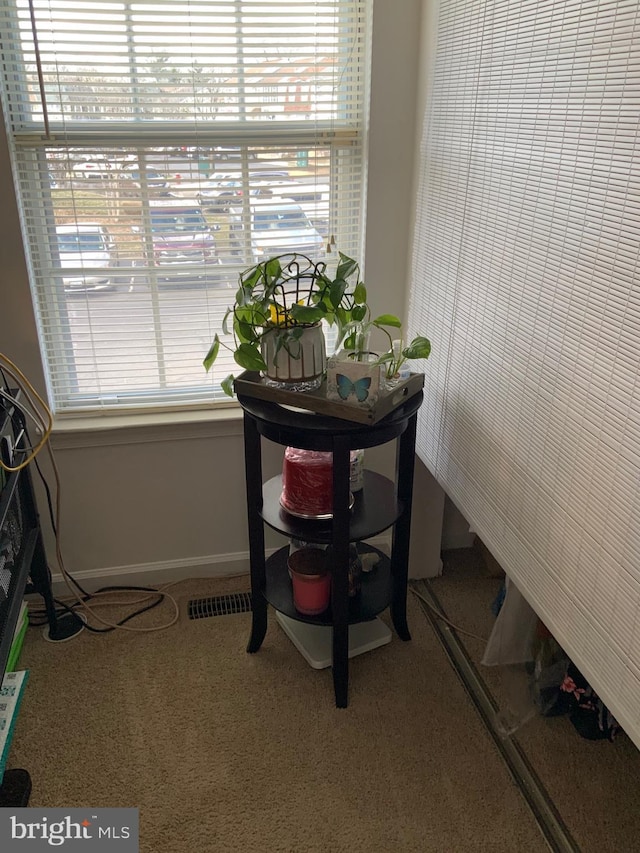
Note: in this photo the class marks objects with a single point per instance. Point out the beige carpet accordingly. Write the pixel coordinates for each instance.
(226, 751)
(595, 785)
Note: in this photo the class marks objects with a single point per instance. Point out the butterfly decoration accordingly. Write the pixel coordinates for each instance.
(347, 387)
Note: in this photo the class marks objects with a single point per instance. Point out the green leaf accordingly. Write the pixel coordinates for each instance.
(243, 316)
(246, 332)
(325, 301)
(211, 356)
(419, 347)
(337, 292)
(323, 282)
(360, 293)
(388, 320)
(307, 313)
(281, 342)
(227, 385)
(273, 268)
(359, 312)
(225, 324)
(249, 357)
(250, 278)
(346, 267)
(343, 317)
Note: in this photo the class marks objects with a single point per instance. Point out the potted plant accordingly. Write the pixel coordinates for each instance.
(394, 358)
(356, 343)
(358, 375)
(275, 321)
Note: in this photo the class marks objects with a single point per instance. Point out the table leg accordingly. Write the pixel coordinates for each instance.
(253, 475)
(340, 568)
(402, 530)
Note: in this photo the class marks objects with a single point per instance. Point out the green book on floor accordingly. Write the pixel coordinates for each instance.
(11, 691)
(18, 640)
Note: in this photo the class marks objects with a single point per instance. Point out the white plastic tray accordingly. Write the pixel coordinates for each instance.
(314, 641)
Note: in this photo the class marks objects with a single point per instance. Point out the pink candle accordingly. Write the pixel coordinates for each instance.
(311, 580)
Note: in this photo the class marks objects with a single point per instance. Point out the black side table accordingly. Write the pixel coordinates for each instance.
(381, 504)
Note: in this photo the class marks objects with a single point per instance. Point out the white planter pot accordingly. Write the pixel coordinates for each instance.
(299, 364)
(358, 383)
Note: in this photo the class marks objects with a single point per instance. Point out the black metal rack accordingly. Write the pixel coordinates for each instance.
(23, 563)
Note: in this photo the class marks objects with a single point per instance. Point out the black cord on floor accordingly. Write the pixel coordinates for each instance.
(65, 608)
(84, 594)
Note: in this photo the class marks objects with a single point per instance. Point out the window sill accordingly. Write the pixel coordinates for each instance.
(145, 427)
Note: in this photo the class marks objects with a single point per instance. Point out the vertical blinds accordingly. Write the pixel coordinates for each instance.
(525, 272)
(155, 144)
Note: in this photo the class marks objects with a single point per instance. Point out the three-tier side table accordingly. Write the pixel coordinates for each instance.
(381, 504)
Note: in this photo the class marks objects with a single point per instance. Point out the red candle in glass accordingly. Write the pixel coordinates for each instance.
(307, 481)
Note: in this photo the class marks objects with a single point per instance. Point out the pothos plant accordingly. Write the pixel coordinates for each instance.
(287, 293)
(356, 343)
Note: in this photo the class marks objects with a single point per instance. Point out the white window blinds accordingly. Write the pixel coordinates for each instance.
(148, 138)
(525, 273)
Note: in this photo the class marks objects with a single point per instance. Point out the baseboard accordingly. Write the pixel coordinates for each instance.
(158, 573)
(166, 571)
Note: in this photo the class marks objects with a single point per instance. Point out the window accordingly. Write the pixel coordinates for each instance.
(160, 124)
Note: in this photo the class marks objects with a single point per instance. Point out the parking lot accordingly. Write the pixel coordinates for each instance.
(239, 222)
(177, 235)
(112, 321)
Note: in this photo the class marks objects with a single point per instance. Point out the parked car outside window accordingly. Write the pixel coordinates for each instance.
(152, 178)
(89, 254)
(183, 242)
(278, 226)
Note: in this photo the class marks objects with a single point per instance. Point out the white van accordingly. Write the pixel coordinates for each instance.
(277, 226)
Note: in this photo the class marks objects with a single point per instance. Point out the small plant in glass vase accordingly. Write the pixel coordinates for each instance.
(396, 357)
(276, 320)
(392, 363)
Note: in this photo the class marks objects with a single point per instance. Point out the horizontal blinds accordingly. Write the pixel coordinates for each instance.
(213, 112)
(526, 252)
(111, 63)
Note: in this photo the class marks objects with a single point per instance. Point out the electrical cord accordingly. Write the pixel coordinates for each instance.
(69, 580)
(17, 423)
(43, 422)
(54, 526)
(9, 406)
(63, 607)
(441, 616)
(42, 416)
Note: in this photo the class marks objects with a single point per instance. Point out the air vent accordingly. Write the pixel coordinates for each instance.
(220, 605)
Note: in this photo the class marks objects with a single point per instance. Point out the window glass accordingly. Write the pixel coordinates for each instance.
(118, 114)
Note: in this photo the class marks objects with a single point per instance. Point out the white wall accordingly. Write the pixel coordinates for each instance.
(157, 498)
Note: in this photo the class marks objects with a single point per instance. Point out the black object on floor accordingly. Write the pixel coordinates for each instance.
(587, 712)
(65, 627)
(15, 789)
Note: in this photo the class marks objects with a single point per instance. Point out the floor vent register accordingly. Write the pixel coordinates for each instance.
(220, 605)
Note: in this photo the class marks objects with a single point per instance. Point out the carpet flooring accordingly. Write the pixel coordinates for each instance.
(225, 751)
